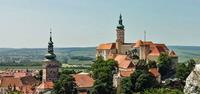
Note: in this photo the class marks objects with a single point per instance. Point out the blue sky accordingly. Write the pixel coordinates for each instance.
(26, 23)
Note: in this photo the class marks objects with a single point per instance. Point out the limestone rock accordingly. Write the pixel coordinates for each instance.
(192, 85)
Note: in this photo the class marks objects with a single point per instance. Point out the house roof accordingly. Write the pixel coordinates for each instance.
(46, 85)
(20, 74)
(126, 73)
(83, 80)
(29, 80)
(140, 43)
(123, 61)
(154, 72)
(172, 53)
(107, 46)
(157, 49)
(7, 81)
(27, 89)
(7, 74)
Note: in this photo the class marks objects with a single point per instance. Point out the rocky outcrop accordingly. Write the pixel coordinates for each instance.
(192, 85)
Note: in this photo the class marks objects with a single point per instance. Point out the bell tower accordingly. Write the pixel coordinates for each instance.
(120, 31)
(120, 34)
(50, 65)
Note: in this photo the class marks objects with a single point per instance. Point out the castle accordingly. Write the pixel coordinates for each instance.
(146, 50)
(127, 54)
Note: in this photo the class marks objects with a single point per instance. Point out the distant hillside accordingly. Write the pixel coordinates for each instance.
(66, 55)
(187, 52)
(78, 54)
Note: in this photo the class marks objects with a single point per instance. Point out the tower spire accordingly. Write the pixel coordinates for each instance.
(120, 19)
(50, 54)
(50, 34)
(120, 25)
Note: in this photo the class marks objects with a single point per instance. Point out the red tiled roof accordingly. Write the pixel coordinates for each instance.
(150, 43)
(20, 74)
(154, 72)
(157, 49)
(123, 61)
(140, 43)
(7, 81)
(107, 46)
(46, 85)
(83, 80)
(125, 73)
(28, 89)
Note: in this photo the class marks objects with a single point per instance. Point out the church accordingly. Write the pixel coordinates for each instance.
(50, 70)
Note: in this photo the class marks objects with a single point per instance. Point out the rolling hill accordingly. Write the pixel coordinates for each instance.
(79, 54)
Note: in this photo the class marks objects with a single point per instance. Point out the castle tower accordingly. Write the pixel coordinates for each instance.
(120, 34)
(51, 65)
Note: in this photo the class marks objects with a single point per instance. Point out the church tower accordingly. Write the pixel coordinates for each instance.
(120, 34)
(51, 65)
(120, 31)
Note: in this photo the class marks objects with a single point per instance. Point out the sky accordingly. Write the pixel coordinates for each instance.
(86, 23)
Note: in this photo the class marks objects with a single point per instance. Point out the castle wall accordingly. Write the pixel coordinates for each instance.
(125, 48)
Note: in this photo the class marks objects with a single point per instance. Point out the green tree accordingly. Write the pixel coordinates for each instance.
(103, 85)
(141, 65)
(108, 66)
(134, 77)
(14, 92)
(103, 74)
(66, 71)
(145, 81)
(191, 64)
(162, 91)
(65, 85)
(182, 71)
(141, 80)
(126, 86)
(152, 64)
(165, 65)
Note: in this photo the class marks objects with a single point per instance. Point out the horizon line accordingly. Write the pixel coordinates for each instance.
(80, 47)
